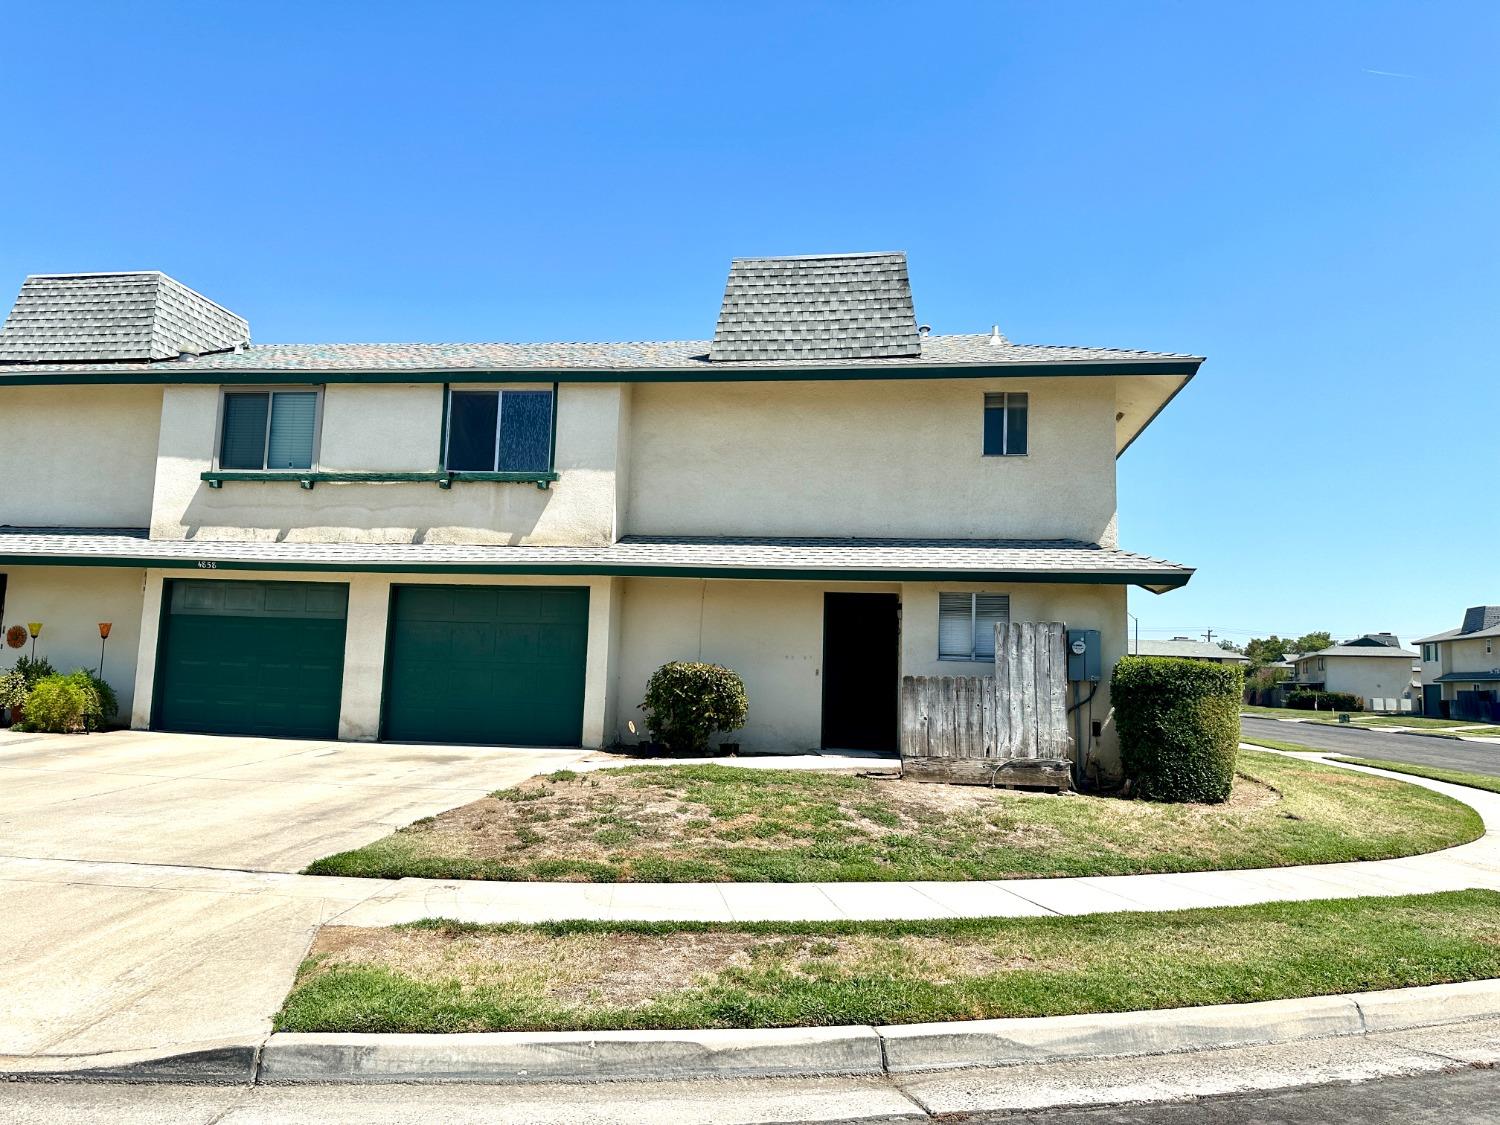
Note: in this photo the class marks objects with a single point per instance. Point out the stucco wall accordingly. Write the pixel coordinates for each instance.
(870, 458)
(70, 602)
(1464, 656)
(772, 634)
(78, 456)
(390, 428)
(1369, 677)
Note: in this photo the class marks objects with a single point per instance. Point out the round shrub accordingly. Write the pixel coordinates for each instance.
(58, 704)
(102, 704)
(686, 703)
(1179, 725)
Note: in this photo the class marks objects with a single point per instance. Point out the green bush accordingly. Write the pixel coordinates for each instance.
(1179, 725)
(103, 704)
(686, 703)
(59, 704)
(1324, 701)
(34, 671)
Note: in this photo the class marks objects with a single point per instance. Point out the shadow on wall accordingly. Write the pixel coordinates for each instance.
(377, 513)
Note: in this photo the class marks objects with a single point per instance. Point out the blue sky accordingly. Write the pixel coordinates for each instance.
(1305, 193)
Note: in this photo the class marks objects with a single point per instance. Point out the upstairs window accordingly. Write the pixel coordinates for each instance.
(268, 430)
(966, 625)
(499, 432)
(1005, 424)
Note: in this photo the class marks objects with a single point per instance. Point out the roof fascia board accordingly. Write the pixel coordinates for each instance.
(1156, 582)
(160, 375)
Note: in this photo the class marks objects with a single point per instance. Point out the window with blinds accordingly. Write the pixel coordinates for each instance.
(500, 431)
(1005, 424)
(966, 625)
(268, 430)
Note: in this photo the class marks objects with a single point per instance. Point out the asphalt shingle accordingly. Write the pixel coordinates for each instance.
(112, 317)
(831, 306)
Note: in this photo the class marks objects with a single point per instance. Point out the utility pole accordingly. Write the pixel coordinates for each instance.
(1209, 636)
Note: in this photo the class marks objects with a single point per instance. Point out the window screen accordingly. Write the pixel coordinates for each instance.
(500, 431)
(966, 625)
(1005, 424)
(268, 430)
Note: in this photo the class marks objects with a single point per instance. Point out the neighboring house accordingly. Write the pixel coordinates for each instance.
(1188, 649)
(1374, 667)
(1461, 668)
(498, 543)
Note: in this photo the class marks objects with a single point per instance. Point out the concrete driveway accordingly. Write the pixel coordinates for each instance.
(263, 804)
(121, 935)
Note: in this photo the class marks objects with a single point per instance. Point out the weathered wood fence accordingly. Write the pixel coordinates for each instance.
(1009, 729)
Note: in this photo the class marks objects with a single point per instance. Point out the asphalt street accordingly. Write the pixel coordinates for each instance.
(1417, 749)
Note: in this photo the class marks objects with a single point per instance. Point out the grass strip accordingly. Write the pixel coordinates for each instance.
(444, 977)
(710, 823)
(1434, 773)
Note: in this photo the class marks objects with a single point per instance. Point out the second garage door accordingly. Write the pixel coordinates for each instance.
(487, 664)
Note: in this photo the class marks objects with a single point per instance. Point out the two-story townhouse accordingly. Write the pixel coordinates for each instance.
(1373, 667)
(1461, 668)
(498, 543)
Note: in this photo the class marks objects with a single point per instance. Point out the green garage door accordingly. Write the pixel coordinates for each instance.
(489, 664)
(260, 658)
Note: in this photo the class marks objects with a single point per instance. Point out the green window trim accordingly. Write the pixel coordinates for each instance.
(1006, 417)
(218, 478)
(269, 429)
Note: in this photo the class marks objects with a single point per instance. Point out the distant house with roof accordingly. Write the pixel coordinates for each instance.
(1461, 668)
(1186, 648)
(498, 543)
(1374, 667)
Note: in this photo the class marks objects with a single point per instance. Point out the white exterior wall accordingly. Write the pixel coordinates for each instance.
(78, 456)
(1369, 677)
(771, 633)
(70, 602)
(365, 639)
(390, 428)
(1476, 654)
(870, 458)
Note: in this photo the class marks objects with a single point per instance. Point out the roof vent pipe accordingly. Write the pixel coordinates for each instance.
(924, 330)
(995, 338)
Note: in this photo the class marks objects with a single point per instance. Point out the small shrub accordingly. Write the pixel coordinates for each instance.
(1179, 724)
(103, 705)
(58, 704)
(34, 671)
(1324, 701)
(13, 691)
(686, 703)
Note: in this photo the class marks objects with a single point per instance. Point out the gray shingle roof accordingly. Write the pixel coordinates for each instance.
(1373, 651)
(1022, 560)
(830, 306)
(1190, 650)
(113, 317)
(689, 357)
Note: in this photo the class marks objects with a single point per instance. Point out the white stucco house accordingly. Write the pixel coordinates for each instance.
(1374, 667)
(1461, 668)
(498, 543)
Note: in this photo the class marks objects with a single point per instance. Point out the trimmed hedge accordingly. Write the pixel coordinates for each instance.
(1179, 724)
(687, 702)
(1324, 701)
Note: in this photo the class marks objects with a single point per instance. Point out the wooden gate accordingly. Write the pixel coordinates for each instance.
(1009, 729)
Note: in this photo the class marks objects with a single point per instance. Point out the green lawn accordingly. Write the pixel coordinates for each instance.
(692, 823)
(1415, 722)
(1435, 773)
(445, 977)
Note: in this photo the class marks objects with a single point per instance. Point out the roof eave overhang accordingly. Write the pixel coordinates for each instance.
(1156, 581)
(166, 372)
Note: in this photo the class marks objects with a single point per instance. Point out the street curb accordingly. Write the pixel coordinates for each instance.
(570, 1056)
(567, 1056)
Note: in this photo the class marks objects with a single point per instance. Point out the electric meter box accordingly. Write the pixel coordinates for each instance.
(1085, 662)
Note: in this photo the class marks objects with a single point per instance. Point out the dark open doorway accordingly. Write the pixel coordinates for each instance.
(861, 671)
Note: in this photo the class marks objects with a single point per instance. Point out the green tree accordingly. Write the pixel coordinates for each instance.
(1266, 650)
(1312, 642)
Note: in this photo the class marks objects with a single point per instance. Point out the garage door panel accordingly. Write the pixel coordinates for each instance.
(508, 669)
(252, 658)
